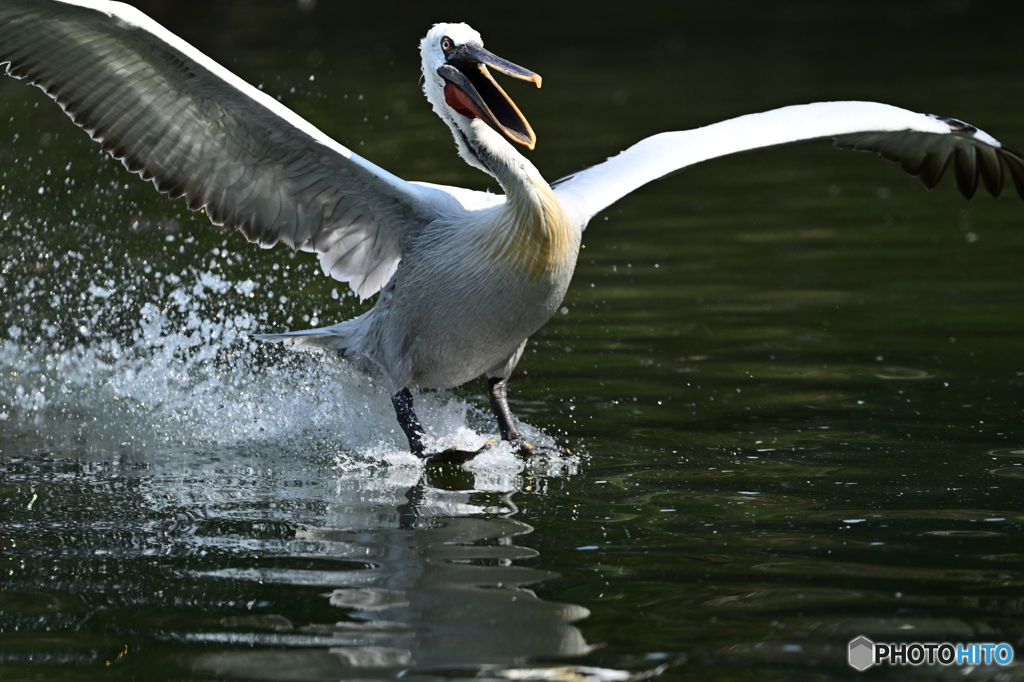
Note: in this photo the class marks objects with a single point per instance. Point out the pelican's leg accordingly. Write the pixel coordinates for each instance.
(497, 390)
(408, 421)
(414, 432)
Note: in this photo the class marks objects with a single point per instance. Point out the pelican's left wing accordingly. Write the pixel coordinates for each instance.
(923, 145)
(176, 117)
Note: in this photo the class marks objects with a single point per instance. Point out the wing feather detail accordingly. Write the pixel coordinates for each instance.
(924, 145)
(178, 119)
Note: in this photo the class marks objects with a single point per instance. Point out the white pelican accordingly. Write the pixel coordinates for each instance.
(464, 276)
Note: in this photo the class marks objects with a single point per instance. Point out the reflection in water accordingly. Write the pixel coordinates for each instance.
(446, 596)
(271, 568)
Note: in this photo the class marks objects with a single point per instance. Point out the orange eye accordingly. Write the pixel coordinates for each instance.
(447, 44)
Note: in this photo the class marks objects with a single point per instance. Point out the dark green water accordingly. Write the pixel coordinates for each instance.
(791, 380)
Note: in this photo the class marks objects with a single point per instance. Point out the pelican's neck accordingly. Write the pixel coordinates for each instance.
(485, 149)
(532, 231)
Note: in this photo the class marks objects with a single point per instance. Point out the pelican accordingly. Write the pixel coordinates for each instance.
(463, 277)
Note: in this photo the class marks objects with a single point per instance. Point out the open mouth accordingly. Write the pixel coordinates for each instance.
(471, 91)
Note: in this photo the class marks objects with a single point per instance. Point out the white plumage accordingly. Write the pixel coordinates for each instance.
(464, 277)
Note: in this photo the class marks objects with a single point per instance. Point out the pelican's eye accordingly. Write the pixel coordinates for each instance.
(447, 44)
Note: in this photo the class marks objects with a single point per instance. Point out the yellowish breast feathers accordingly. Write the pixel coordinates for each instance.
(533, 234)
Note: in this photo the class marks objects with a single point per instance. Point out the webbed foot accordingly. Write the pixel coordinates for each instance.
(524, 449)
(454, 455)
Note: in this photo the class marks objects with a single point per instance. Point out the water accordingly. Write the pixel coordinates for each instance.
(789, 381)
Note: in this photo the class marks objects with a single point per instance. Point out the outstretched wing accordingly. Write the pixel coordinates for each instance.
(175, 117)
(924, 145)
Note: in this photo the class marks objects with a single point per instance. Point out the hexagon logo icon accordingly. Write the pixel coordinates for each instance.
(862, 653)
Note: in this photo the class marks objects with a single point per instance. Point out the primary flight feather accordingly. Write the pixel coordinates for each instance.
(464, 277)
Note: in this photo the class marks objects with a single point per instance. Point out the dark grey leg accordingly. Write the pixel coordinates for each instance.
(497, 389)
(414, 432)
(408, 421)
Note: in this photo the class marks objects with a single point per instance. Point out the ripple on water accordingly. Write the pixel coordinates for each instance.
(1009, 472)
(891, 573)
(1007, 452)
(903, 373)
(842, 372)
(786, 597)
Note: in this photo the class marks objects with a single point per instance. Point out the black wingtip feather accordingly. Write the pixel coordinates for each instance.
(966, 169)
(1015, 164)
(934, 167)
(991, 170)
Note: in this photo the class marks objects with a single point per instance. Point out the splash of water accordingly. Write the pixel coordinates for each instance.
(185, 374)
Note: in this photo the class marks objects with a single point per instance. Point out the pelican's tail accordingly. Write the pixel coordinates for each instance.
(343, 336)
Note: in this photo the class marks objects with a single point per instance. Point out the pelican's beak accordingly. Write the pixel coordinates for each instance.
(470, 90)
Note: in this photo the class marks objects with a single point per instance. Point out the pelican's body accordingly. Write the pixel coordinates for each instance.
(464, 277)
(466, 304)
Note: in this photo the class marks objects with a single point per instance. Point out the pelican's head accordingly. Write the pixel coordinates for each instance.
(460, 88)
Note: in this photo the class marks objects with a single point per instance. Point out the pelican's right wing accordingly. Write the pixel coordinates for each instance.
(922, 144)
(174, 116)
